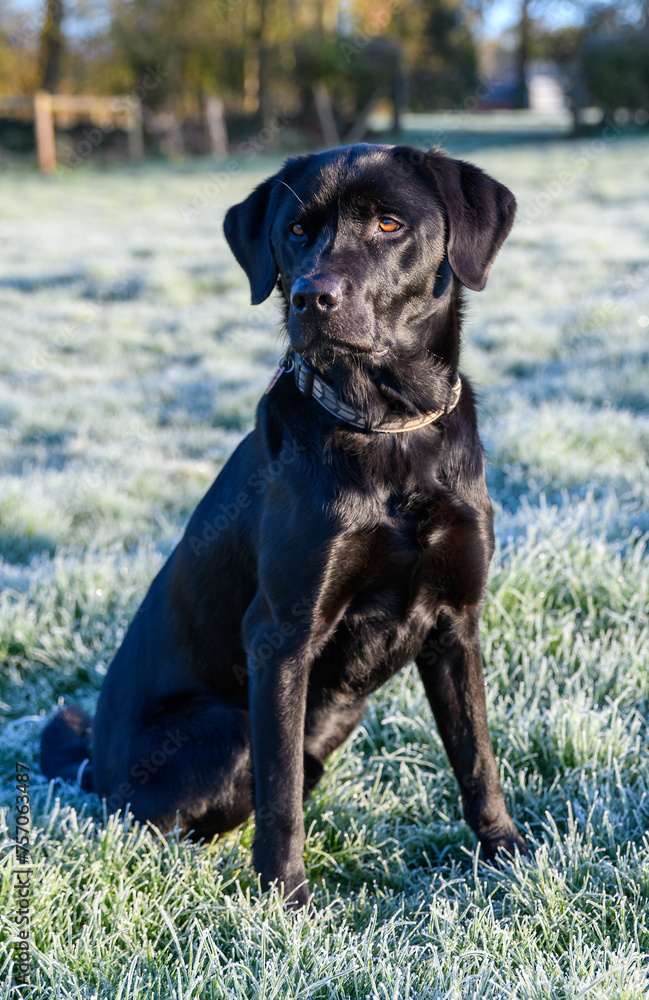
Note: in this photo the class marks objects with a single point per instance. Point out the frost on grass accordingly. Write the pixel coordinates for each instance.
(131, 362)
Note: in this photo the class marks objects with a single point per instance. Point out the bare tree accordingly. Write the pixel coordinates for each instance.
(523, 55)
(51, 45)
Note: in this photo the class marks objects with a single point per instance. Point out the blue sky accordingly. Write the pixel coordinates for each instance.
(504, 13)
(499, 15)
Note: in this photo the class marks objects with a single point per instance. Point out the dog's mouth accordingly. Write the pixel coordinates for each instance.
(323, 348)
(326, 319)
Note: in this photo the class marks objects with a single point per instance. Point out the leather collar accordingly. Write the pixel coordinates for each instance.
(311, 384)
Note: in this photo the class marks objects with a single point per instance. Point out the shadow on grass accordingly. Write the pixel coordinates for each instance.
(16, 547)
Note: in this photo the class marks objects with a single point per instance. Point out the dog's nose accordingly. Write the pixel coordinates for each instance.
(322, 295)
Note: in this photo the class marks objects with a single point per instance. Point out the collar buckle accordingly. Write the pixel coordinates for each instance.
(286, 364)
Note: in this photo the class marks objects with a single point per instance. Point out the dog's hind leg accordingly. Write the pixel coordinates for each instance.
(188, 766)
(65, 744)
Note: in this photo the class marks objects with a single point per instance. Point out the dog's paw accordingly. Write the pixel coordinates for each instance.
(299, 899)
(502, 844)
(290, 890)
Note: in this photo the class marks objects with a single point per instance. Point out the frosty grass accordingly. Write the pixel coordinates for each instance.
(130, 365)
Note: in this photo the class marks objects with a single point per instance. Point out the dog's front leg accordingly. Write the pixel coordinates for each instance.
(278, 676)
(450, 664)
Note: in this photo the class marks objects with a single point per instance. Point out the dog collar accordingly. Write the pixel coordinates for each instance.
(311, 384)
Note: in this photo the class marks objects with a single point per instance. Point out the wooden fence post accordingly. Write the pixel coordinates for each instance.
(44, 129)
(135, 135)
(325, 114)
(216, 129)
(359, 128)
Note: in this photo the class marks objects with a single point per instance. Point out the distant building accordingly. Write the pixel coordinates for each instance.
(545, 83)
(545, 88)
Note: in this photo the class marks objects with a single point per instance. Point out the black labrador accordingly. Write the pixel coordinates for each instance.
(349, 533)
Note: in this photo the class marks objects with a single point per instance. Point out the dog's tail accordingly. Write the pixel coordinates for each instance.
(65, 745)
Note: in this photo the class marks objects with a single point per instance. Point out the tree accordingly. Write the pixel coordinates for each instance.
(523, 55)
(51, 45)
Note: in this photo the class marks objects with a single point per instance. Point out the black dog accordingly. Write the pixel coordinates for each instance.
(349, 533)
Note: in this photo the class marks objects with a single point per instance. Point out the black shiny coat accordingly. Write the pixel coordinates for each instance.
(323, 558)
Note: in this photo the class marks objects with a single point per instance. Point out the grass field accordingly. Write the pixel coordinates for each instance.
(130, 364)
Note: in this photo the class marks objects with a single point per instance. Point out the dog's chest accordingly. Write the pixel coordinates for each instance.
(389, 611)
(386, 566)
(383, 584)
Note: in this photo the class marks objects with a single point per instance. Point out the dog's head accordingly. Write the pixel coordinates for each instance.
(366, 241)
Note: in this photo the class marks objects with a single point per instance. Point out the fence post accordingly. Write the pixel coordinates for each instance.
(215, 119)
(135, 135)
(44, 129)
(325, 114)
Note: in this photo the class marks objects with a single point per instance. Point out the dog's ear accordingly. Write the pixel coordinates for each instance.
(480, 213)
(247, 230)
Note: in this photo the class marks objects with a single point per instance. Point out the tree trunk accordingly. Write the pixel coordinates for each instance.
(522, 56)
(399, 91)
(257, 97)
(51, 46)
(325, 114)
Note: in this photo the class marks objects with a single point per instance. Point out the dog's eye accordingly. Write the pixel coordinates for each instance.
(388, 225)
(297, 229)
